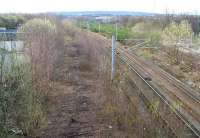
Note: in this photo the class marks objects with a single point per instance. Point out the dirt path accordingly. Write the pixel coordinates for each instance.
(74, 112)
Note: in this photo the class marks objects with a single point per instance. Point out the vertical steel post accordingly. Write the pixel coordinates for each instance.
(113, 57)
(116, 30)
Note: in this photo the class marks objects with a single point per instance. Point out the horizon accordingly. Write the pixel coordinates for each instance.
(150, 6)
(104, 12)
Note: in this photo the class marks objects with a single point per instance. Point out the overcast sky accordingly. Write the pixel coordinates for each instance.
(159, 6)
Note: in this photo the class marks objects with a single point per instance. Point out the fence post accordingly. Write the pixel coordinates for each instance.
(113, 57)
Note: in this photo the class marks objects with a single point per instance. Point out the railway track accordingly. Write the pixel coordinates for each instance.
(166, 87)
(122, 61)
(189, 109)
(177, 83)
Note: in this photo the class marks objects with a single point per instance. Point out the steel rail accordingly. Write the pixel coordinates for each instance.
(167, 76)
(187, 104)
(186, 122)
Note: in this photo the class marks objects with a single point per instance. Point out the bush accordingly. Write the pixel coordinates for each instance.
(154, 39)
(20, 102)
(150, 31)
(185, 67)
(24, 89)
(40, 40)
(172, 37)
(11, 21)
(175, 32)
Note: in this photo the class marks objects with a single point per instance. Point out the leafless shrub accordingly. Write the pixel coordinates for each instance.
(40, 46)
(172, 36)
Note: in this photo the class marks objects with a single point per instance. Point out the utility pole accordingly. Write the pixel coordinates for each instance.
(116, 30)
(113, 57)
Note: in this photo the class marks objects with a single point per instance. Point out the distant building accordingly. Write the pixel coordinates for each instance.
(104, 19)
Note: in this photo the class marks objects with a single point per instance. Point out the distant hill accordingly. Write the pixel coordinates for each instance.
(105, 13)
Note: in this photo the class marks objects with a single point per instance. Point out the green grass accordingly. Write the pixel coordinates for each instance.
(108, 29)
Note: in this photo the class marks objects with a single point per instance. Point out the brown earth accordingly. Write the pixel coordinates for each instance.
(74, 112)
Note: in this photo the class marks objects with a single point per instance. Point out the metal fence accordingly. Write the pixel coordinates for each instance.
(11, 51)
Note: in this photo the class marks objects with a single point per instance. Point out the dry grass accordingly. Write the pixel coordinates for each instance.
(186, 69)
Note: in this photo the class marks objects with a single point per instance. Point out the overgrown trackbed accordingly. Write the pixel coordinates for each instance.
(74, 112)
